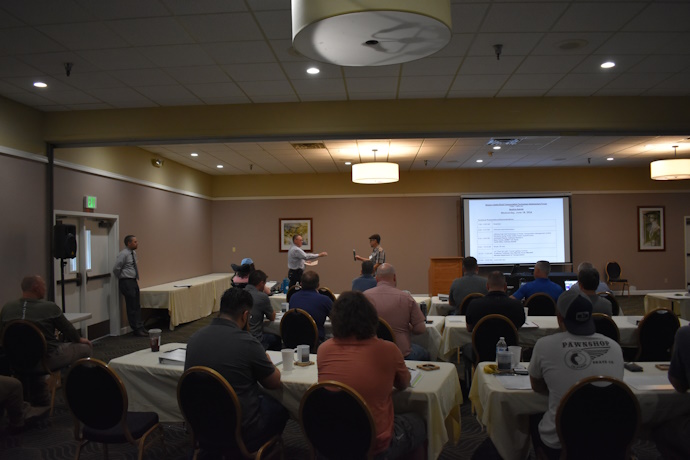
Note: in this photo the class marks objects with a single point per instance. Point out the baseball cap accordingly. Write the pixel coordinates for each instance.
(576, 311)
(245, 261)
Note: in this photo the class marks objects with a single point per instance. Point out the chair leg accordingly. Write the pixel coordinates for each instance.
(80, 444)
(105, 451)
(54, 381)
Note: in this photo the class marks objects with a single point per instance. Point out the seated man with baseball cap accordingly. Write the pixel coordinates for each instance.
(562, 359)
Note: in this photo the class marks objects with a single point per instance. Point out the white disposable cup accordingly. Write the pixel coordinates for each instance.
(503, 359)
(516, 354)
(155, 339)
(288, 358)
(284, 306)
(303, 353)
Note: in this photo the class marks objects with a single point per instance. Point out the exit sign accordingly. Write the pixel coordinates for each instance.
(89, 202)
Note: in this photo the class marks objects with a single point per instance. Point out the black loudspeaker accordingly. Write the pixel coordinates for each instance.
(64, 241)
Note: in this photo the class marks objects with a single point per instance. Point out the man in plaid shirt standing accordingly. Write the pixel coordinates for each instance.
(378, 255)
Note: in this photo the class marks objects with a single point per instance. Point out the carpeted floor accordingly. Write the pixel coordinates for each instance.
(53, 437)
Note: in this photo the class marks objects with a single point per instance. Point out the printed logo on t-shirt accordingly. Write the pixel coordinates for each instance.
(583, 353)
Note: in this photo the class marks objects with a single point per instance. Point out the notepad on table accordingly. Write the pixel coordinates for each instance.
(176, 356)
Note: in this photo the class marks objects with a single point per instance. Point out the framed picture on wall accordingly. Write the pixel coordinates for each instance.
(292, 227)
(651, 231)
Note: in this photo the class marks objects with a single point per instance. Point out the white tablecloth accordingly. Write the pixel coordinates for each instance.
(153, 387)
(455, 331)
(279, 298)
(439, 307)
(678, 301)
(187, 300)
(505, 413)
(430, 340)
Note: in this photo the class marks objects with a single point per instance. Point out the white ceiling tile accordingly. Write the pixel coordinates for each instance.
(239, 52)
(584, 81)
(619, 92)
(83, 36)
(120, 97)
(97, 106)
(592, 64)
(513, 44)
(467, 18)
(183, 7)
(116, 59)
(431, 66)
(255, 72)
(298, 70)
(125, 8)
(276, 25)
(599, 16)
(570, 43)
(551, 64)
(143, 77)
(169, 95)
(285, 52)
(372, 96)
(151, 31)
(54, 63)
(427, 94)
(377, 71)
(27, 83)
(429, 83)
(521, 92)
(635, 43)
(12, 67)
(333, 86)
(259, 5)
(32, 99)
(23, 40)
(215, 90)
(677, 82)
(221, 27)
(8, 20)
(666, 63)
(196, 75)
(177, 55)
(274, 98)
(522, 17)
(37, 12)
(7, 89)
(89, 80)
(369, 85)
(637, 80)
(462, 94)
(662, 16)
(478, 82)
(489, 65)
(458, 46)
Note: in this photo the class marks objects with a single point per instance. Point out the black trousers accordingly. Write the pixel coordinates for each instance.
(295, 276)
(130, 289)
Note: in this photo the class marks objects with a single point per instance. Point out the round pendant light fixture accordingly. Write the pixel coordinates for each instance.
(672, 169)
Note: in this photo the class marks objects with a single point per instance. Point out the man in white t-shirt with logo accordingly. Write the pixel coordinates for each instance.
(560, 360)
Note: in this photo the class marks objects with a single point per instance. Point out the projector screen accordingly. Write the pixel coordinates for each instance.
(506, 231)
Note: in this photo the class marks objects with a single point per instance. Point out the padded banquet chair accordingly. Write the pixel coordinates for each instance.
(98, 400)
(540, 304)
(27, 352)
(598, 418)
(349, 435)
(327, 292)
(210, 407)
(486, 334)
(294, 288)
(613, 276)
(385, 331)
(615, 308)
(462, 309)
(606, 326)
(298, 328)
(656, 334)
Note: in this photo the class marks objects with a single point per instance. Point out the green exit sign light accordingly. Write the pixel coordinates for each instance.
(89, 202)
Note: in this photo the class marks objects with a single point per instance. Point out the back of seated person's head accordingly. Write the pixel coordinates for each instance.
(469, 264)
(385, 272)
(353, 315)
(496, 280)
(367, 267)
(235, 302)
(310, 280)
(588, 278)
(584, 265)
(544, 266)
(256, 277)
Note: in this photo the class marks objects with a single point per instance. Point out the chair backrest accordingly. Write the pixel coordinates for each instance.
(486, 334)
(615, 308)
(95, 394)
(606, 326)
(613, 271)
(210, 406)
(540, 304)
(349, 435)
(298, 328)
(466, 301)
(598, 418)
(385, 331)
(656, 334)
(25, 346)
(327, 292)
(294, 288)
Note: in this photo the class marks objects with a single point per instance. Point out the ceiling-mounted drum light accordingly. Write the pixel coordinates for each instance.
(672, 169)
(375, 173)
(370, 33)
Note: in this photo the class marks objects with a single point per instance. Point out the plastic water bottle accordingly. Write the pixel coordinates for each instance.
(286, 284)
(501, 345)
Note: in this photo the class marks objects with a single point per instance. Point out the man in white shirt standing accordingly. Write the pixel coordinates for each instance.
(560, 360)
(296, 258)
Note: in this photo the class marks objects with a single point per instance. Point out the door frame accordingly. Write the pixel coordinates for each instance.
(114, 310)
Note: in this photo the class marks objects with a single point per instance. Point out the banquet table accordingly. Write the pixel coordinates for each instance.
(505, 413)
(430, 340)
(455, 331)
(439, 307)
(279, 298)
(678, 301)
(187, 300)
(436, 397)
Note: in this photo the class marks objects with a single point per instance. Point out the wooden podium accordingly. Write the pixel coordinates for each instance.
(442, 272)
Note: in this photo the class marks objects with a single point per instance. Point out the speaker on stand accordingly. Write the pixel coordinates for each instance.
(64, 247)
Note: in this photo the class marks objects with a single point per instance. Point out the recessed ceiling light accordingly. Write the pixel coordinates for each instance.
(194, 154)
(609, 159)
(40, 84)
(480, 161)
(608, 65)
(497, 147)
(313, 70)
(219, 166)
(348, 163)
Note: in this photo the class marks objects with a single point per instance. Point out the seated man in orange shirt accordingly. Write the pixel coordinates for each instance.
(356, 357)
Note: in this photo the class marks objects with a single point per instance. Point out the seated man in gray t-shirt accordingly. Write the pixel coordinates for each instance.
(261, 308)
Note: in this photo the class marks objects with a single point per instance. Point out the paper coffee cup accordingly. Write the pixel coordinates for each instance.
(515, 355)
(503, 358)
(155, 339)
(288, 358)
(303, 353)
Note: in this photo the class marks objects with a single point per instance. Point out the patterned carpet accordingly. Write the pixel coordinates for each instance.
(53, 437)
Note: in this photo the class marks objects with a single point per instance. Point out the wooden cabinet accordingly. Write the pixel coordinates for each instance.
(442, 272)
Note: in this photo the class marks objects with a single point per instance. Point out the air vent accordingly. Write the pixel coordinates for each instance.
(503, 141)
(309, 146)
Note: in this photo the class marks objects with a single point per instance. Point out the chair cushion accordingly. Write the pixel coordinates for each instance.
(137, 422)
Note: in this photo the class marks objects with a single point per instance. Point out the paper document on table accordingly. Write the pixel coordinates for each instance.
(176, 356)
(639, 381)
(443, 297)
(270, 284)
(455, 319)
(515, 382)
(182, 285)
(529, 324)
(276, 358)
(415, 377)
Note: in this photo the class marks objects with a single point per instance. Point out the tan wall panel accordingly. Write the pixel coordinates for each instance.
(21, 127)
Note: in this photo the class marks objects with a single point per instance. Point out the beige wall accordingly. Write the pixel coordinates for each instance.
(21, 127)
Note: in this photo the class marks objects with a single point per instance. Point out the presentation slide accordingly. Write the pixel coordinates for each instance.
(506, 231)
